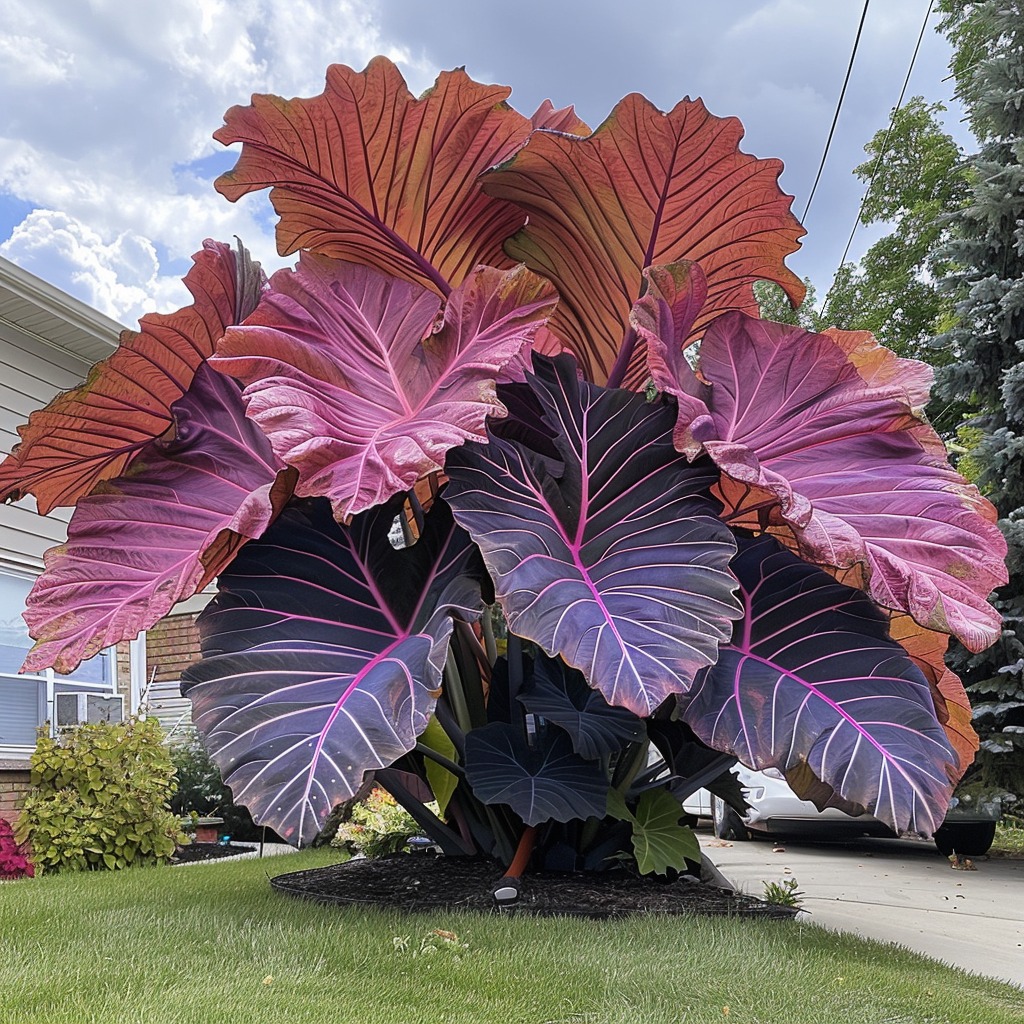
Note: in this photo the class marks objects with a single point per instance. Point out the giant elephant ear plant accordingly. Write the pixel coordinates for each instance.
(483, 516)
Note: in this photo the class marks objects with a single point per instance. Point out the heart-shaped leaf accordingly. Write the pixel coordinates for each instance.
(549, 783)
(645, 188)
(619, 565)
(660, 843)
(823, 446)
(142, 542)
(93, 432)
(322, 657)
(367, 173)
(813, 677)
(348, 377)
(561, 696)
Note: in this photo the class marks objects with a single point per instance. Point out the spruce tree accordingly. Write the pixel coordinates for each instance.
(986, 352)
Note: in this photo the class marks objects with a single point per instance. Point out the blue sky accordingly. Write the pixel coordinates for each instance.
(107, 106)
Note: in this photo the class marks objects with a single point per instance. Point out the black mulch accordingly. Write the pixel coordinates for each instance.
(424, 882)
(208, 851)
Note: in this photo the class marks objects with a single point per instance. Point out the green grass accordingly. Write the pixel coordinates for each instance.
(1009, 840)
(211, 944)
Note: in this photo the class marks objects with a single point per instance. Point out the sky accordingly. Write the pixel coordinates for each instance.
(107, 107)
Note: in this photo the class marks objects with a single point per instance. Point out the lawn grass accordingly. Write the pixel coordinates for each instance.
(213, 943)
(1009, 840)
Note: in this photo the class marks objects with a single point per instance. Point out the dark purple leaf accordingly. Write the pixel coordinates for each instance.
(551, 783)
(620, 565)
(813, 677)
(561, 696)
(322, 656)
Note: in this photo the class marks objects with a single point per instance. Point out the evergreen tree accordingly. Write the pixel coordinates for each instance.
(986, 350)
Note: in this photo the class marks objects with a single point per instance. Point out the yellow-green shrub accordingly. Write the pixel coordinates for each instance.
(99, 798)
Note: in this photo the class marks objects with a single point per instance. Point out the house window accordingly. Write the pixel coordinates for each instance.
(27, 700)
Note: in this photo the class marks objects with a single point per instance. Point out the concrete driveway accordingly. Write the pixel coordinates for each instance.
(900, 891)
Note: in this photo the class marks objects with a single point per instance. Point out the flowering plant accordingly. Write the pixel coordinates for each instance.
(14, 861)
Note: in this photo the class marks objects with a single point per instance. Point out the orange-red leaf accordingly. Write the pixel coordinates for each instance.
(927, 649)
(365, 172)
(93, 432)
(645, 188)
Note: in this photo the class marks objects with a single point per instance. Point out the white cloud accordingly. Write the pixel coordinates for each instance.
(109, 105)
(119, 278)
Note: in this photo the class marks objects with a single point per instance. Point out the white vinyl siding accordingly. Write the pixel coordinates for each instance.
(31, 373)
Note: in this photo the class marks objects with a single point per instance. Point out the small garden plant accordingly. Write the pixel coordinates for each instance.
(510, 496)
(14, 860)
(784, 894)
(376, 826)
(200, 792)
(99, 798)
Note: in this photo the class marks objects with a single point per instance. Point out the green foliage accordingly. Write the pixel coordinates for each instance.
(660, 843)
(783, 894)
(376, 827)
(774, 305)
(985, 351)
(1009, 840)
(202, 792)
(441, 781)
(99, 798)
(916, 176)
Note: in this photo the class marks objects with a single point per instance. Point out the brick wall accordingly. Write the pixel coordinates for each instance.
(13, 786)
(171, 646)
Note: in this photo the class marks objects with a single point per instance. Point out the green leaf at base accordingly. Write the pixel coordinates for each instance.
(659, 841)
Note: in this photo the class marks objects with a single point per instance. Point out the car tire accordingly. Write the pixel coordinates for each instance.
(727, 823)
(967, 838)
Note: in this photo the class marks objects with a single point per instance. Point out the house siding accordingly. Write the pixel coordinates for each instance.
(32, 374)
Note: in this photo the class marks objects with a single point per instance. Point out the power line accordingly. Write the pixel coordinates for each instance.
(881, 154)
(839, 106)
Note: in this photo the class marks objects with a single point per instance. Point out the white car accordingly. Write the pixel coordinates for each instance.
(774, 808)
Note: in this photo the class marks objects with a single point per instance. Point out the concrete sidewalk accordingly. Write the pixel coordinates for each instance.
(898, 891)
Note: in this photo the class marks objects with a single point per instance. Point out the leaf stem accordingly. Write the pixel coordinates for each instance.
(622, 361)
(451, 766)
(449, 841)
(487, 628)
(524, 850)
(455, 694)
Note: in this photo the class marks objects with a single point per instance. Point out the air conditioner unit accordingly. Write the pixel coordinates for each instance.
(71, 709)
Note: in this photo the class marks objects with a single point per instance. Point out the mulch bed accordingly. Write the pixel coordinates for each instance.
(425, 882)
(208, 851)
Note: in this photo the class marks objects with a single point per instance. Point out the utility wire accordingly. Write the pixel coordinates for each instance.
(839, 106)
(881, 155)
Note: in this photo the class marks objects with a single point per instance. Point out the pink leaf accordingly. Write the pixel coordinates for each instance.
(664, 319)
(820, 442)
(142, 542)
(358, 387)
